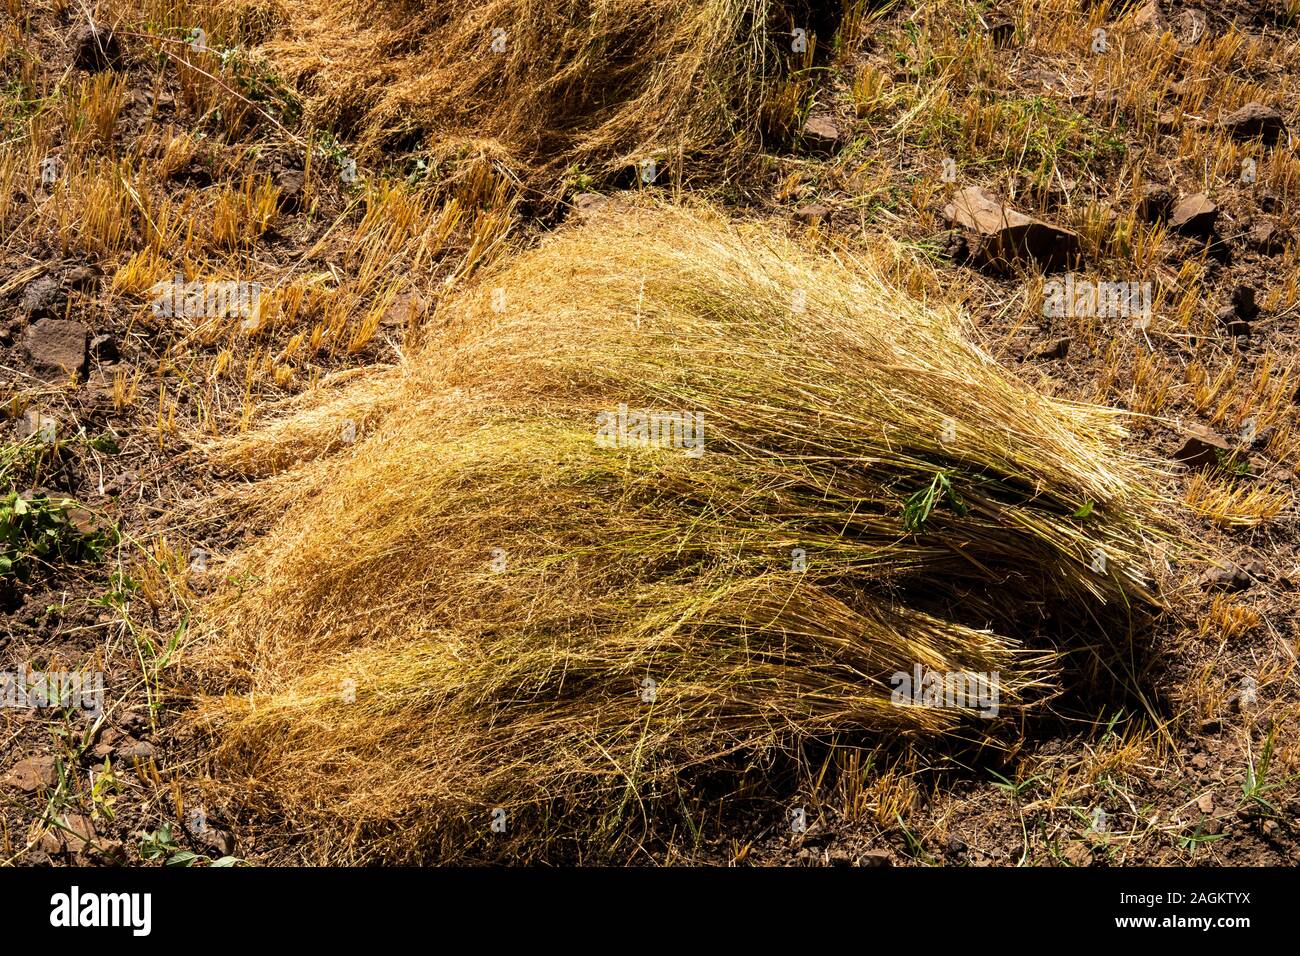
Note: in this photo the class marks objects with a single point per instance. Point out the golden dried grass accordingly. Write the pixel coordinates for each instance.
(461, 610)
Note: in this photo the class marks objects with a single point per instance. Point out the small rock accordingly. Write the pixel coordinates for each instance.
(1200, 762)
(1232, 577)
(86, 523)
(58, 346)
(839, 858)
(813, 214)
(135, 750)
(1202, 448)
(406, 308)
(1206, 803)
(1270, 827)
(1243, 302)
(35, 422)
(79, 833)
(956, 845)
(1255, 121)
(1195, 216)
(95, 48)
(588, 205)
(1191, 26)
(103, 348)
(1211, 725)
(1001, 28)
(32, 774)
(218, 841)
(82, 278)
(1232, 323)
(1156, 202)
(1078, 854)
(1057, 349)
(875, 858)
(40, 297)
(997, 235)
(1268, 237)
(290, 183)
(1149, 16)
(821, 136)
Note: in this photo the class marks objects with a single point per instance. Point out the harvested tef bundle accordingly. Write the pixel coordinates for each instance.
(660, 491)
(578, 83)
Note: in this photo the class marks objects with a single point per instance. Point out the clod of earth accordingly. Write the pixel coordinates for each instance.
(822, 136)
(58, 347)
(32, 774)
(1001, 28)
(1268, 237)
(95, 48)
(1056, 349)
(1156, 203)
(291, 183)
(40, 297)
